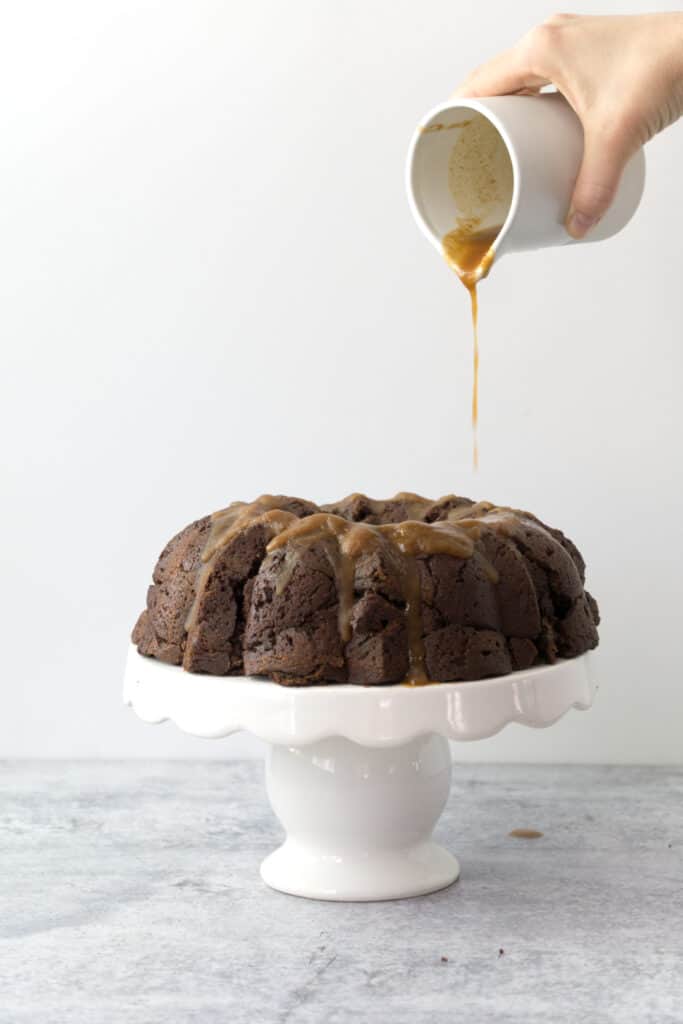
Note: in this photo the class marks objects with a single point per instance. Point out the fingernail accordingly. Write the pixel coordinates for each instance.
(578, 223)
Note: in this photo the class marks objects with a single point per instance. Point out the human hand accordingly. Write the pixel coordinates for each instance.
(623, 75)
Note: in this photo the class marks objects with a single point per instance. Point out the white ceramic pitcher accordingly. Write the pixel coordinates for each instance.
(508, 161)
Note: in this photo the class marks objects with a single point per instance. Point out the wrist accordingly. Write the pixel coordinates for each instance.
(672, 64)
(673, 34)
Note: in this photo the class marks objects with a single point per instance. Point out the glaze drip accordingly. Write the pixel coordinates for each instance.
(225, 525)
(229, 521)
(402, 543)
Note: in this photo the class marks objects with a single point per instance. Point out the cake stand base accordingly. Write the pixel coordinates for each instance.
(359, 819)
(357, 775)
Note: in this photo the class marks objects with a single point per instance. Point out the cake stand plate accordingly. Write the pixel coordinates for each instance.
(358, 776)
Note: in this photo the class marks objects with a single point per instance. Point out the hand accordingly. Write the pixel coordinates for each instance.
(622, 75)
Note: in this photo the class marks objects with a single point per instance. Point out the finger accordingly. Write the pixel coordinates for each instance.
(597, 181)
(509, 72)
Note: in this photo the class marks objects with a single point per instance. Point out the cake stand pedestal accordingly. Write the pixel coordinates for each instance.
(358, 776)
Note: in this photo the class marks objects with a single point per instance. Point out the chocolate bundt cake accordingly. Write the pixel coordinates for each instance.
(370, 592)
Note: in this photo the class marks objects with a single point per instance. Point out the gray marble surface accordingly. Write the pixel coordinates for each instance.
(130, 892)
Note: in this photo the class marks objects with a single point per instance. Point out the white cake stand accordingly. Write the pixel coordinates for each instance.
(357, 775)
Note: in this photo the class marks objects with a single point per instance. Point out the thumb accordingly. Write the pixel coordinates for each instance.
(596, 185)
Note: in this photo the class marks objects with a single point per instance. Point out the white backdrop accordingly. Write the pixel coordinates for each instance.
(211, 286)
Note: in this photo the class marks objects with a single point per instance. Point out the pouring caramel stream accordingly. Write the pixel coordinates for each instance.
(469, 251)
(481, 181)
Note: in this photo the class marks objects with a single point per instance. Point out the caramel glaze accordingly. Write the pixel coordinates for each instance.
(469, 251)
(345, 542)
(225, 525)
(402, 543)
(414, 504)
